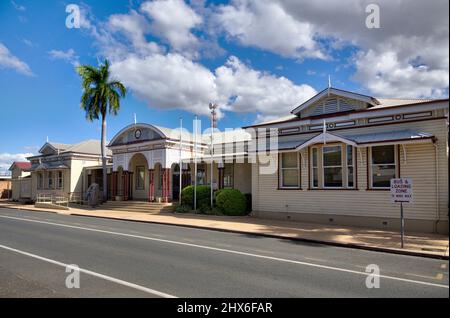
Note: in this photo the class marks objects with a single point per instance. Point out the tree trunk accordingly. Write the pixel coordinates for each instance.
(103, 152)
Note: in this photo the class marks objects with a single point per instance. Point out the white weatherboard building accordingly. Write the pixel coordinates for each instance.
(332, 163)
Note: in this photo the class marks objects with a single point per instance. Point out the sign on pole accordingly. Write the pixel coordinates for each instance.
(401, 191)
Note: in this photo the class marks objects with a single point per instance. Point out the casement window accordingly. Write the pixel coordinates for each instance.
(350, 166)
(332, 166)
(289, 170)
(228, 175)
(60, 180)
(315, 167)
(382, 166)
(140, 178)
(40, 180)
(50, 184)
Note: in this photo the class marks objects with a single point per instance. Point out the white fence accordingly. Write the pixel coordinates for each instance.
(52, 199)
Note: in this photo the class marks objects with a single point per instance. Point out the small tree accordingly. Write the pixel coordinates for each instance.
(101, 96)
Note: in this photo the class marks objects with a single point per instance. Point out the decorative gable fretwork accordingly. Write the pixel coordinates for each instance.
(332, 104)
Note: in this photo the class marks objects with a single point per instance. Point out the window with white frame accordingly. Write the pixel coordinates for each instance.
(228, 175)
(315, 167)
(60, 180)
(140, 178)
(383, 166)
(201, 174)
(350, 167)
(332, 166)
(289, 170)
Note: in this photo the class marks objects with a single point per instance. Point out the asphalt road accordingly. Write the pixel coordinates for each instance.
(130, 259)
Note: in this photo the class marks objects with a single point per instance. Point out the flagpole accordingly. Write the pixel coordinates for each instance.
(181, 162)
(195, 163)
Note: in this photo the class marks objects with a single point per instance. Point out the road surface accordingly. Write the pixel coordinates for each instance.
(130, 259)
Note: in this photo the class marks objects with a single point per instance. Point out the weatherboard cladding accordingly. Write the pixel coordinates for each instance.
(419, 164)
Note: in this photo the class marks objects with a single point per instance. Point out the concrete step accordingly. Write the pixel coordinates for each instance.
(137, 206)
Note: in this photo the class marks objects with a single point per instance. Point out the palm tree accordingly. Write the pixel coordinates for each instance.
(101, 95)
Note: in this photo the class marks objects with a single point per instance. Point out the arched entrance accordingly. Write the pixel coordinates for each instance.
(138, 177)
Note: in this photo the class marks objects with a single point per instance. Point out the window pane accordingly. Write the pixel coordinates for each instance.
(315, 177)
(228, 175)
(314, 159)
(382, 175)
(332, 177)
(289, 160)
(350, 155)
(383, 155)
(350, 177)
(290, 178)
(332, 156)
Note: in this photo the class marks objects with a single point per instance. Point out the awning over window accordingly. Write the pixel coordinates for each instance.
(360, 140)
(48, 166)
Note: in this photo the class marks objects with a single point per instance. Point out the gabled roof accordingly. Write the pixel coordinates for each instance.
(20, 164)
(339, 92)
(90, 147)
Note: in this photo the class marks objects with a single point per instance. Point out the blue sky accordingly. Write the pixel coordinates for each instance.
(206, 51)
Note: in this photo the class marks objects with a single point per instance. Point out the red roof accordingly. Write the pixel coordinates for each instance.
(22, 165)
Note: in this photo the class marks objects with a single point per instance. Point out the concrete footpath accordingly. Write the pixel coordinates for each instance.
(420, 244)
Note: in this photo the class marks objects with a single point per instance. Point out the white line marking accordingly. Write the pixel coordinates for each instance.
(232, 252)
(82, 270)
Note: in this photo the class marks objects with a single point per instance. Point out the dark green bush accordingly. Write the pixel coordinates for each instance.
(203, 196)
(231, 202)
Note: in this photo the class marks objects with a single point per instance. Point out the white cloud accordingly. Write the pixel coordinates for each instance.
(68, 56)
(173, 21)
(168, 81)
(134, 26)
(173, 81)
(7, 60)
(7, 159)
(252, 91)
(411, 32)
(18, 7)
(407, 57)
(265, 24)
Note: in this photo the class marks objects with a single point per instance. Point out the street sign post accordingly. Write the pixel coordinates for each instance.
(401, 191)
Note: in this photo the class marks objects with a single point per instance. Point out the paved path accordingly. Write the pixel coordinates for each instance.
(121, 258)
(420, 243)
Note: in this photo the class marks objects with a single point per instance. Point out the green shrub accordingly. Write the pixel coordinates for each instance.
(203, 196)
(231, 202)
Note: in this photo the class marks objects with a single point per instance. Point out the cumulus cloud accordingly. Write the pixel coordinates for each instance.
(406, 57)
(68, 56)
(266, 25)
(7, 60)
(173, 21)
(173, 81)
(7, 159)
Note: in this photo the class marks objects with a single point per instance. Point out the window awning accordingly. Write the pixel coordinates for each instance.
(361, 140)
(48, 166)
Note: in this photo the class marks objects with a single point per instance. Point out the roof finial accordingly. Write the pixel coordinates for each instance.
(135, 120)
(47, 139)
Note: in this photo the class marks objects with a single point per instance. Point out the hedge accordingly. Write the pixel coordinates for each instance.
(231, 202)
(203, 196)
